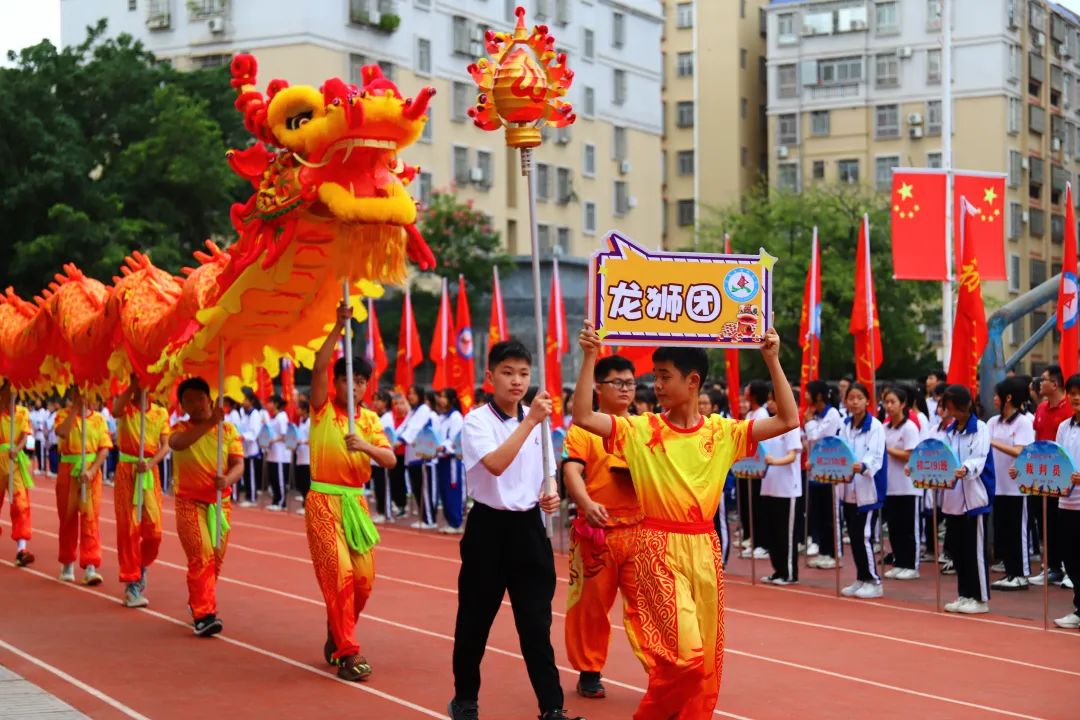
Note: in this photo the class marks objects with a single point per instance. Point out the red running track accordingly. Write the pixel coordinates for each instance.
(791, 652)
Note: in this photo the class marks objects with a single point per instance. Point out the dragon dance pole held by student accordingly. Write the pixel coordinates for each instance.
(15, 476)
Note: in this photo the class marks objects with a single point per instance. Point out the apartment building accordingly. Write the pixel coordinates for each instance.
(855, 89)
(597, 175)
(715, 76)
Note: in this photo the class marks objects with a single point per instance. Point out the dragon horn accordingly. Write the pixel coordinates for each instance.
(414, 109)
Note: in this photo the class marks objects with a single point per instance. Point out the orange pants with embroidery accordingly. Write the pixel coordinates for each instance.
(203, 559)
(681, 610)
(597, 574)
(137, 544)
(80, 533)
(345, 577)
(20, 508)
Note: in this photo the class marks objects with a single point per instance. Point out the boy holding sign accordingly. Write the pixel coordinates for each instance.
(678, 462)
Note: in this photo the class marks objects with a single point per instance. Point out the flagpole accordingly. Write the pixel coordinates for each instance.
(870, 308)
(810, 319)
(946, 152)
(350, 390)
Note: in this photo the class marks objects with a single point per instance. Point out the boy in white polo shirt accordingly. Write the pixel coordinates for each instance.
(780, 489)
(505, 548)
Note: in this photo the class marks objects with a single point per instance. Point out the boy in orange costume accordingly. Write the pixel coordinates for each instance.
(194, 445)
(678, 462)
(137, 543)
(11, 453)
(80, 534)
(341, 535)
(601, 544)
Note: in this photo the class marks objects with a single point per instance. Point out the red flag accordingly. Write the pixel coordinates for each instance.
(409, 354)
(264, 384)
(1067, 305)
(918, 224)
(864, 314)
(462, 372)
(641, 356)
(969, 328)
(497, 331)
(556, 345)
(288, 389)
(440, 343)
(986, 194)
(810, 324)
(375, 352)
(731, 363)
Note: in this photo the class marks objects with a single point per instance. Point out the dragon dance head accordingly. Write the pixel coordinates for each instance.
(336, 166)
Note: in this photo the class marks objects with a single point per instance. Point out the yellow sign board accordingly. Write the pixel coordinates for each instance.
(640, 297)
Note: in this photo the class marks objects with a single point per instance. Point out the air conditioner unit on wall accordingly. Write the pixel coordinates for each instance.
(1023, 163)
(1037, 39)
(625, 167)
(782, 152)
(1055, 144)
(476, 175)
(914, 118)
(158, 22)
(916, 133)
(216, 25)
(1025, 216)
(904, 53)
(631, 202)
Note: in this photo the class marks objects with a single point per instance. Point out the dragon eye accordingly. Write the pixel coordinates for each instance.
(294, 122)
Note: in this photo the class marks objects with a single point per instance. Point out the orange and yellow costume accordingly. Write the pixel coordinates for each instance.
(340, 533)
(679, 476)
(598, 570)
(80, 534)
(196, 513)
(137, 543)
(20, 501)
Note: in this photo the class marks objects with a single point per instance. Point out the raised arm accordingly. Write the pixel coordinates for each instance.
(75, 409)
(582, 411)
(187, 437)
(787, 410)
(320, 384)
(120, 404)
(497, 460)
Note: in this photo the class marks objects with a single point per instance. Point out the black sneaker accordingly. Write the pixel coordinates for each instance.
(354, 668)
(23, 558)
(589, 686)
(463, 710)
(207, 626)
(559, 714)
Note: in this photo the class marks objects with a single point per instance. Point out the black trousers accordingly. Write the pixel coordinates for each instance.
(1011, 534)
(751, 490)
(902, 514)
(860, 527)
(303, 479)
(821, 518)
(1035, 515)
(971, 558)
(504, 551)
(781, 523)
(422, 486)
(248, 487)
(1068, 539)
(279, 481)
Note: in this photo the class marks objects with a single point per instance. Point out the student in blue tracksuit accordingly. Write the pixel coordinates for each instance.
(449, 470)
(967, 504)
(865, 494)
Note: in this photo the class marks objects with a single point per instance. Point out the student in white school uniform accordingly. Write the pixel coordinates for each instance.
(866, 492)
(380, 476)
(418, 418)
(820, 421)
(749, 491)
(1010, 431)
(780, 490)
(968, 503)
(251, 422)
(278, 457)
(903, 502)
(303, 453)
(1068, 535)
(450, 471)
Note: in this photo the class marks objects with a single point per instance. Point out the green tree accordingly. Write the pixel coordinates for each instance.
(106, 150)
(463, 241)
(783, 223)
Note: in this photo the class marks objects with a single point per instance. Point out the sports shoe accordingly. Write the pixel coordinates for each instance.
(274, 508)
(1067, 583)
(589, 686)
(891, 572)
(23, 558)
(450, 530)
(760, 553)
(851, 589)
(746, 544)
(91, 577)
(824, 562)
(956, 604)
(998, 567)
(768, 579)
(1069, 622)
(463, 710)
(379, 519)
(869, 591)
(948, 568)
(812, 549)
(906, 574)
(1056, 577)
(558, 714)
(133, 597)
(67, 572)
(245, 504)
(781, 581)
(888, 559)
(354, 668)
(974, 607)
(1010, 583)
(418, 525)
(208, 625)
(301, 512)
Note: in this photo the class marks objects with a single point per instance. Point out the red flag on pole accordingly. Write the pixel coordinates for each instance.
(1067, 287)
(810, 324)
(864, 314)
(969, 328)
(556, 345)
(497, 331)
(288, 389)
(264, 384)
(918, 224)
(462, 372)
(731, 363)
(410, 354)
(375, 352)
(986, 194)
(641, 356)
(440, 343)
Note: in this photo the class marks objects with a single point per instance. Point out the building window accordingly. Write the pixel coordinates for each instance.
(933, 14)
(622, 198)
(620, 86)
(1015, 168)
(1014, 273)
(1016, 221)
(1036, 75)
(543, 182)
(619, 143)
(589, 163)
(787, 129)
(590, 218)
(787, 177)
(847, 171)
(684, 113)
(933, 160)
(132, 5)
(1036, 225)
(564, 187)
(684, 15)
(1057, 229)
(589, 44)
(819, 170)
(1036, 273)
(428, 133)
(887, 121)
(684, 159)
(840, 71)
(562, 12)
(1036, 119)
(886, 18)
(1036, 177)
(933, 117)
(819, 123)
(1014, 116)
(1014, 62)
(487, 172)
(883, 167)
(1036, 16)
(744, 156)
(933, 66)
(786, 82)
(562, 240)
(887, 70)
(744, 107)
(742, 58)
(460, 35)
(618, 29)
(543, 239)
(423, 56)
(686, 213)
(459, 104)
(424, 184)
(461, 165)
(685, 63)
(588, 108)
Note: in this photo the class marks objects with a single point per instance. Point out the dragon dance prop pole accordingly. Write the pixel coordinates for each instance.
(350, 396)
(220, 442)
(11, 444)
(142, 456)
(82, 429)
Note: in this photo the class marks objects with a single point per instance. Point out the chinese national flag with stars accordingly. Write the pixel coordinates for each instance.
(986, 231)
(918, 225)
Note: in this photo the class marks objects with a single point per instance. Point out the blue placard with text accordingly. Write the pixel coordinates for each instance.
(752, 467)
(933, 465)
(426, 444)
(1044, 469)
(831, 461)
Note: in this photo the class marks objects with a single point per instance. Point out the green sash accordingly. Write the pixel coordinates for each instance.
(211, 522)
(147, 477)
(22, 465)
(360, 532)
(75, 460)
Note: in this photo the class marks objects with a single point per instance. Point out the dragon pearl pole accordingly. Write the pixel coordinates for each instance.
(83, 416)
(14, 450)
(350, 396)
(220, 442)
(142, 456)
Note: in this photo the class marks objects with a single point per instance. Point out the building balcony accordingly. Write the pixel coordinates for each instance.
(830, 92)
